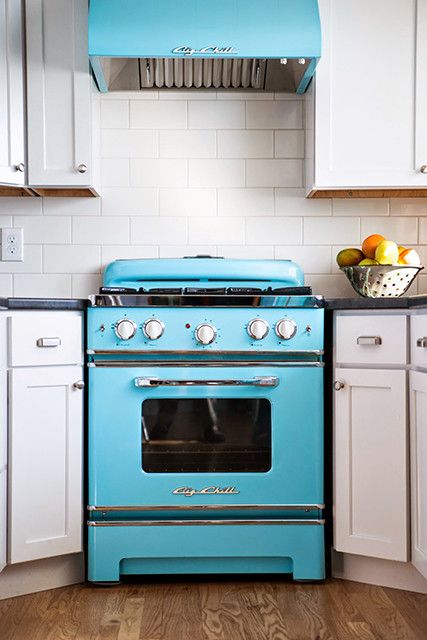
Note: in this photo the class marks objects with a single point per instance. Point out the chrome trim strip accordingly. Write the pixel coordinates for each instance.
(235, 363)
(261, 381)
(201, 300)
(198, 523)
(202, 352)
(212, 507)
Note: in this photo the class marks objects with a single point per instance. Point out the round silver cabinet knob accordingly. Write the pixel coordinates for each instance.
(205, 333)
(125, 329)
(285, 329)
(423, 169)
(79, 384)
(153, 329)
(338, 385)
(258, 329)
(81, 168)
(20, 167)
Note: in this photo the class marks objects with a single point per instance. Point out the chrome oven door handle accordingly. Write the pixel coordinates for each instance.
(261, 381)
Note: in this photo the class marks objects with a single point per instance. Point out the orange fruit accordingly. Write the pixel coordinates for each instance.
(349, 257)
(370, 244)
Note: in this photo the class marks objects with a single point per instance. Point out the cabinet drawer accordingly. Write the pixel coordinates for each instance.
(419, 340)
(45, 338)
(371, 339)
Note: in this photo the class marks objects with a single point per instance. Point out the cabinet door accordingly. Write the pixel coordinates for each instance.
(11, 93)
(59, 98)
(3, 518)
(45, 462)
(418, 409)
(370, 464)
(366, 134)
(421, 88)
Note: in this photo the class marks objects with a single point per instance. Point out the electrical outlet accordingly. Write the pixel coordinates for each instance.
(12, 245)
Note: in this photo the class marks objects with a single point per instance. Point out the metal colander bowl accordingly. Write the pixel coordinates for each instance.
(381, 281)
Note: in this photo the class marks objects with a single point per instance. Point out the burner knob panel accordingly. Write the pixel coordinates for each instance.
(125, 329)
(286, 329)
(258, 329)
(205, 333)
(153, 329)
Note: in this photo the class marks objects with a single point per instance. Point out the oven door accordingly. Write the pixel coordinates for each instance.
(186, 438)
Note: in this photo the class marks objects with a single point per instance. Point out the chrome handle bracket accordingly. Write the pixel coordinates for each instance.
(262, 381)
(422, 342)
(48, 342)
(369, 340)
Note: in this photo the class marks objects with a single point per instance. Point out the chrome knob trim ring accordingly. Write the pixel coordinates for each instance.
(153, 329)
(205, 333)
(285, 329)
(258, 329)
(125, 329)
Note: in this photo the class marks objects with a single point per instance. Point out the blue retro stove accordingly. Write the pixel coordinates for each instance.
(205, 420)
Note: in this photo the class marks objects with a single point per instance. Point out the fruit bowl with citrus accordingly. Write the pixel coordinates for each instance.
(380, 268)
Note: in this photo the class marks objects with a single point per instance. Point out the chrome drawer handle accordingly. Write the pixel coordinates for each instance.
(48, 342)
(263, 381)
(422, 342)
(369, 340)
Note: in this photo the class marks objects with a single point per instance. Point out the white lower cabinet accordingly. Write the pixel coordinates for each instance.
(370, 463)
(45, 462)
(3, 518)
(418, 408)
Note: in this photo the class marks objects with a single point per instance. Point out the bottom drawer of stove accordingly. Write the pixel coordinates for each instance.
(118, 549)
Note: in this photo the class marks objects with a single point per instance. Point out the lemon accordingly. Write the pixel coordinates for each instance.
(387, 252)
(366, 262)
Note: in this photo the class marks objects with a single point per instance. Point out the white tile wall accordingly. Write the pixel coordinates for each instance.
(207, 172)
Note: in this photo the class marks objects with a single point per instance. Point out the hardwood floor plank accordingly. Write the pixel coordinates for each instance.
(217, 610)
(380, 613)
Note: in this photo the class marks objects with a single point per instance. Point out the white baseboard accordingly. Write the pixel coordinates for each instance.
(50, 573)
(385, 573)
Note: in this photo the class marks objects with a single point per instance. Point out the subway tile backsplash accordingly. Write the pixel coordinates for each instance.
(206, 172)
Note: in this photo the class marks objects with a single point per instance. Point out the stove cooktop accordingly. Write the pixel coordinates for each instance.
(209, 291)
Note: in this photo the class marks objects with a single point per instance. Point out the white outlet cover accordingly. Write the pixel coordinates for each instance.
(12, 245)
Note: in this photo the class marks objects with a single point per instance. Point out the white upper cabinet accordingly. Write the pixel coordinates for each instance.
(59, 94)
(12, 156)
(370, 97)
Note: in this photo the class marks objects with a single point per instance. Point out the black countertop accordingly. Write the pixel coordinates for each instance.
(44, 304)
(354, 304)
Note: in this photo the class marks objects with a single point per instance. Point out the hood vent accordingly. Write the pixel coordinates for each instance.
(160, 44)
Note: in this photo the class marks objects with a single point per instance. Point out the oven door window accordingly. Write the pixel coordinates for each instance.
(206, 435)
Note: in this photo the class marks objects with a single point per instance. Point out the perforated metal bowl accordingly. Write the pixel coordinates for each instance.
(380, 281)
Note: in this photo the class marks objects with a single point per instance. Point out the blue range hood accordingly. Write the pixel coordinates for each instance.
(270, 45)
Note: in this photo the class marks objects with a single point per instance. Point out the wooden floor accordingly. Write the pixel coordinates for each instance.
(217, 610)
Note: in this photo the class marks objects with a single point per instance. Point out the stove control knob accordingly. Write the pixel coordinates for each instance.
(153, 329)
(125, 329)
(205, 333)
(286, 329)
(258, 329)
